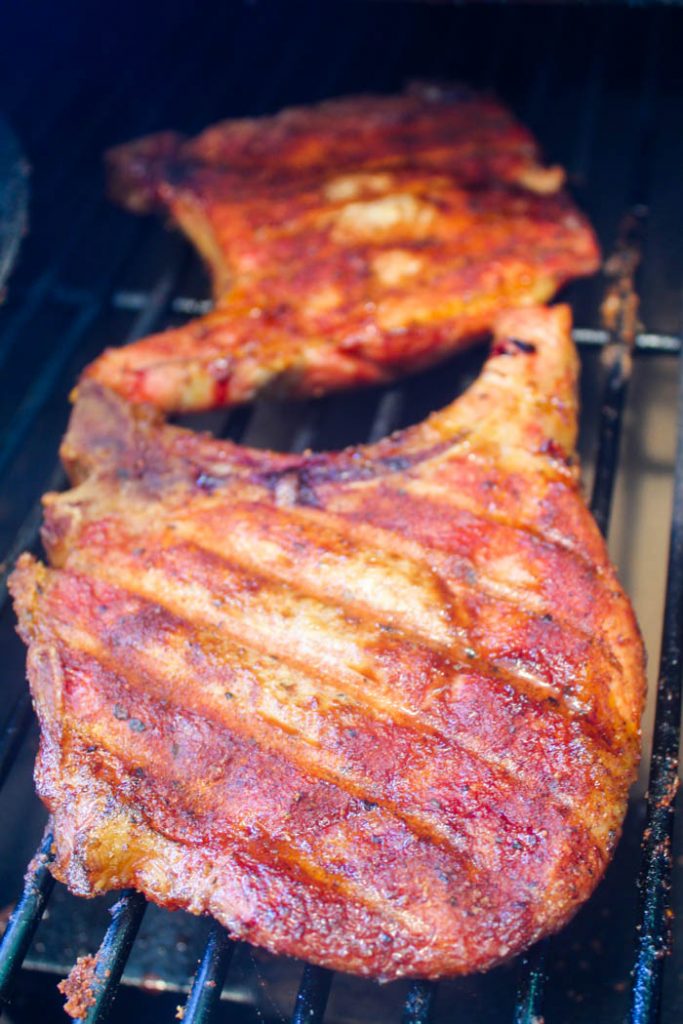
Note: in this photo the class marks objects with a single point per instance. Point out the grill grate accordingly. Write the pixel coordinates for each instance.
(210, 978)
(89, 304)
(654, 928)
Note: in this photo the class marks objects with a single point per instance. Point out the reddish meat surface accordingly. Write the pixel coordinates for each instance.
(378, 708)
(348, 243)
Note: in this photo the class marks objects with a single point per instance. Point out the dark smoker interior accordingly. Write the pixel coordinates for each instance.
(602, 88)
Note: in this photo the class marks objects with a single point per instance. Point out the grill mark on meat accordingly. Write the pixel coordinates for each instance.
(431, 488)
(395, 539)
(165, 566)
(263, 851)
(461, 501)
(92, 724)
(383, 521)
(547, 628)
(133, 632)
(245, 895)
(328, 586)
(360, 692)
(253, 534)
(135, 688)
(397, 657)
(304, 845)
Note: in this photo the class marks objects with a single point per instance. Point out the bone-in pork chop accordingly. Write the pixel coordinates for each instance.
(378, 708)
(348, 243)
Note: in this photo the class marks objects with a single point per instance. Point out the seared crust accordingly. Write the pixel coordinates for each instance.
(377, 708)
(442, 127)
(348, 243)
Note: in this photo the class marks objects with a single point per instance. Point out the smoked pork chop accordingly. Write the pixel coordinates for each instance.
(348, 243)
(378, 708)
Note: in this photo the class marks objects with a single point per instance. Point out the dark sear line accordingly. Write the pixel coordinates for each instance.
(382, 541)
(285, 621)
(348, 737)
(199, 798)
(388, 543)
(196, 780)
(197, 794)
(410, 683)
(272, 904)
(254, 536)
(284, 894)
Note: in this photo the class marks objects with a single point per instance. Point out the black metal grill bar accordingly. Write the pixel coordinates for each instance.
(530, 987)
(311, 999)
(24, 920)
(127, 914)
(646, 342)
(611, 418)
(655, 917)
(619, 313)
(210, 977)
(13, 733)
(419, 1006)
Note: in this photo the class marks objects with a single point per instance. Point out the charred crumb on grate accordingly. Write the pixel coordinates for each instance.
(78, 987)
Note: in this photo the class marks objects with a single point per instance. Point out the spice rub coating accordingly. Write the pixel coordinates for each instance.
(378, 708)
(348, 243)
